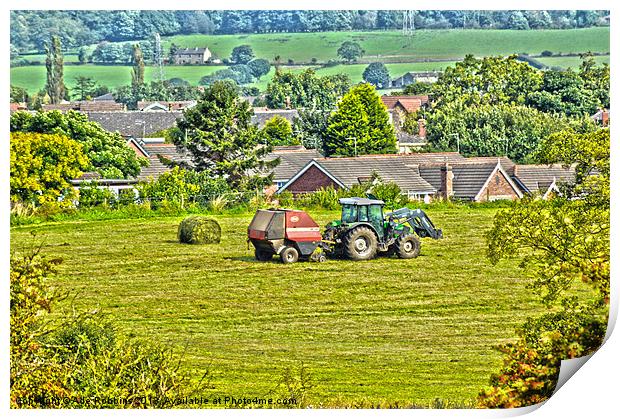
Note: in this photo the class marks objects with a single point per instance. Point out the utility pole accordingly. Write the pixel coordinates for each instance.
(159, 59)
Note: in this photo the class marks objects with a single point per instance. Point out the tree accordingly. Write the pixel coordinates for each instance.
(561, 242)
(242, 54)
(55, 86)
(220, 138)
(491, 80)
(83, 55)
(278, 131)
(360, 125)
(350, 51)
(377, 74)
(495, 130)
(108, 152)
(18, 95)
(305, 90)
(42, 166)
(417, 88)
(313, 127)
(85, 87)
(137, 72)
(595, 78)
(259, 67)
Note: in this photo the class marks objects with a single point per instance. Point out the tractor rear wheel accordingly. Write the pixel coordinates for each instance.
(289, 255)
(263, 255)
(360, 244)
(407, 246)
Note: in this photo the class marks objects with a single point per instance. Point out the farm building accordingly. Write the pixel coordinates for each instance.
(411, 77)
(191, 55)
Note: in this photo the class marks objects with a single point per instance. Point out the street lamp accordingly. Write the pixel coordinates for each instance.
(458, 146)
(354, 143)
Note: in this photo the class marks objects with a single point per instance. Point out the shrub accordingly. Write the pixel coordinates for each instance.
(90, 196)
(199, 230)
(546, 53)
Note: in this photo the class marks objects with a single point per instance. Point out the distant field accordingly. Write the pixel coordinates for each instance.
(379, 46)
(33, 77)
(424, 44)
(380, 330)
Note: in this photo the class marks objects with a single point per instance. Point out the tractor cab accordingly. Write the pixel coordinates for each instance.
(363, 210)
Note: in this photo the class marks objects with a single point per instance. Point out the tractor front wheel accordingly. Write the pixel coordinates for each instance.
(407, 246)
(263, 255)
(289, 255)
(360, 244)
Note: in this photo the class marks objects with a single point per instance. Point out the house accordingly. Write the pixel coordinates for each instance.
(262, 115)
(411, 77)
(292, 160)
(107, 97)
(542, 180)
(345, 172)
(17, 106)
(135, 124)
(165, 106)
(601, 117)
(471, 181)
(191, 55)
(409, 143)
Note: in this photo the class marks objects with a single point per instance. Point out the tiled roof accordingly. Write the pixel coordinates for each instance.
(261, 115)
(156, 167)
(135, 124)
(409, 139)
(292, 159)
(350, 170)
(105, 97)
(469, 178)
(86, 106)
(507, 164)
(409, 103)
(536, 178)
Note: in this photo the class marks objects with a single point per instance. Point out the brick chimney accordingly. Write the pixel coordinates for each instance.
(446, 182)
(422, 128)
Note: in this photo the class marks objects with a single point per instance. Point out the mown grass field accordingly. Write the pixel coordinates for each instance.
(453, 43)
(382, 330)
(401, 53)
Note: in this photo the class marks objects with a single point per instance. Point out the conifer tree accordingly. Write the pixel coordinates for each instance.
(360, 125)
(55, 86)
(221, 139)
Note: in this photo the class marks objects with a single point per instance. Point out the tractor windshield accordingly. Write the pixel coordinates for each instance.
(349, 214)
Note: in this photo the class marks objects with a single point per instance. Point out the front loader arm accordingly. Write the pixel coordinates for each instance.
(418, 220)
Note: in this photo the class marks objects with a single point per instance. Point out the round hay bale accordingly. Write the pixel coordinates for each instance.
(197, 229)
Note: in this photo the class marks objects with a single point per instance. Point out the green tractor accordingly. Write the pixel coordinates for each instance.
(364, 231)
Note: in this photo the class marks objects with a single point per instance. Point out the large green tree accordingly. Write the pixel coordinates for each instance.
(55, 85)
(85, 87)
(221, 139)
(305, 90)
(350, 51)
(360, 125)
(563, 244)
(496, 130)
(42, 166)
(108, 152)
(278, 132)
(242, 54)
(377, 74)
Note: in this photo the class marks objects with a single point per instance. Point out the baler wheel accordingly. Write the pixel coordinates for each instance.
(289, 255)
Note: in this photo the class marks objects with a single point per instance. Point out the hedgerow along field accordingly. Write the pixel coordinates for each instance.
(400, 52)
(385, 330)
